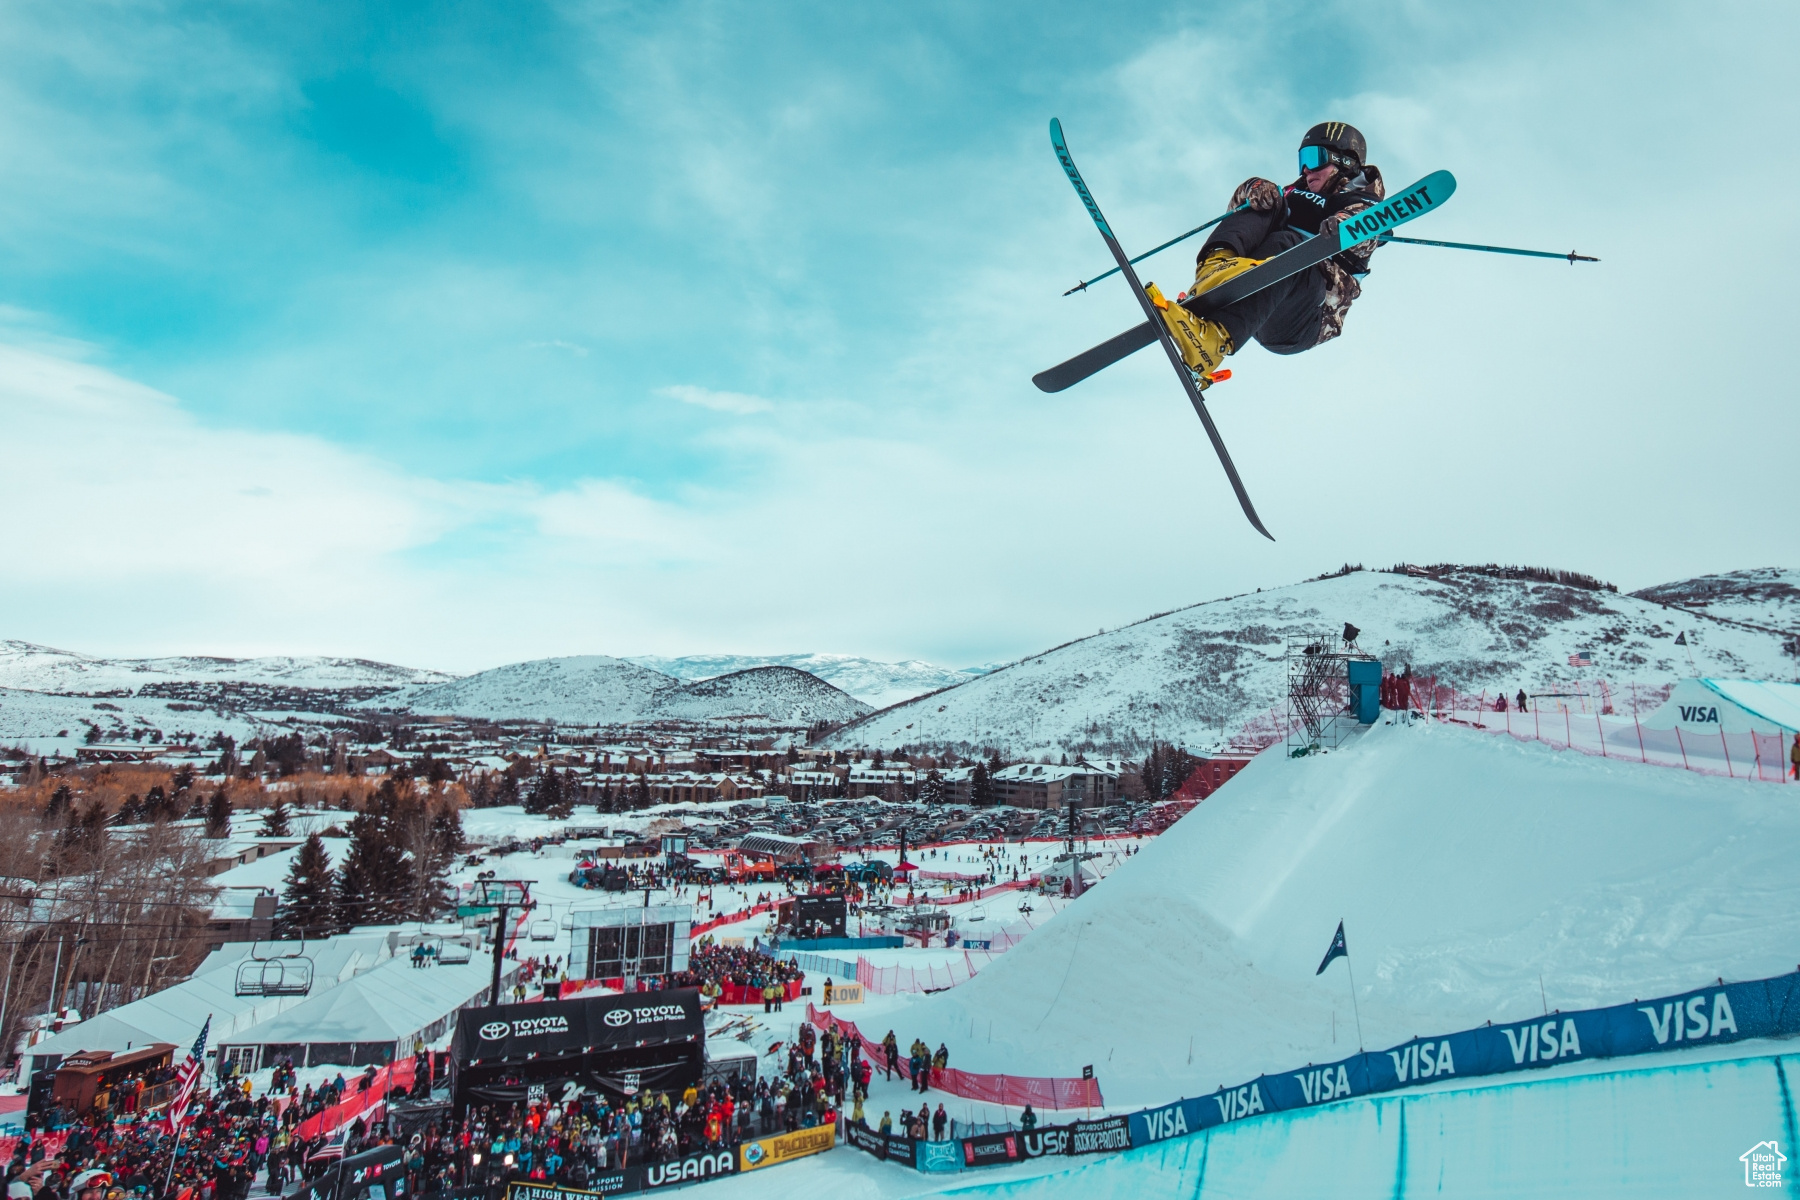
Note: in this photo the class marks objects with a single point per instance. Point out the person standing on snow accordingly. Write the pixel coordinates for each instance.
(1302, 310)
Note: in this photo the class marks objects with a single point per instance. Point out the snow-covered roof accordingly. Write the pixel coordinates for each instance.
(391, 1001)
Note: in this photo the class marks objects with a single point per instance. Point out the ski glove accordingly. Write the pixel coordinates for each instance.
(1259, 193)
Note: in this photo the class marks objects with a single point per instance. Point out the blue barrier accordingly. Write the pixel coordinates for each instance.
(891, 942)
(835, 968)
(1731, 1012)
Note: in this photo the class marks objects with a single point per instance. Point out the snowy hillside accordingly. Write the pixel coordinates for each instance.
(1769, 597)
(594, 689)
(43, 669)
(51, 724)
(583, 689)
(1196, 674)
(780, 694)
(1478, 877)
(877, 684)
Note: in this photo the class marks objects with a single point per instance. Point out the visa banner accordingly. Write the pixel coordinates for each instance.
(1729, 1012)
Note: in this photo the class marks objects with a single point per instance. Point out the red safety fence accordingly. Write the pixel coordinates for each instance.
(731, 918)
(396, 1076)
(1043, 1094)
(1753, 756)
(890, 981)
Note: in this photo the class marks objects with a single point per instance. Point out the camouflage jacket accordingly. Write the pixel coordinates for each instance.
(1313, 214)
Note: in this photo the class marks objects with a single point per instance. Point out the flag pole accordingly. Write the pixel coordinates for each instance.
(1353, 1005)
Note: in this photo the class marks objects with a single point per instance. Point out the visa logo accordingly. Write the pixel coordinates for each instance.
(1243, 1102)
(1689, 1022)
(1699, 713)
(1541, 1043)
(1423, 1061)
(1166, 1123)
(1323, 1084)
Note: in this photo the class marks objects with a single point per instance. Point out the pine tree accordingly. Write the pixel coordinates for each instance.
(131, 812)
(373, 882)
(218, 815)
(275, 821)
(309, 899)
(931, 791)
(61, 800)
(981, 786)
(157, 805)
(546, 793)
(509, 790)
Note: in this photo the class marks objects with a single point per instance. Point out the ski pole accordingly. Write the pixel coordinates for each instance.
(1571, 256)
(1082, 286)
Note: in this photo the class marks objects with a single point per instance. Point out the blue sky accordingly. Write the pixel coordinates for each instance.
(461, 333)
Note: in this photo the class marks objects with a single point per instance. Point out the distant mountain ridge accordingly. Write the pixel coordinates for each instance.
(597, 689)
(875, 683)
(29, 667)
(1198, 675)
(1767, 597)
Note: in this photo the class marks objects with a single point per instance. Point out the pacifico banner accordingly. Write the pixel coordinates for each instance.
(768, 1151)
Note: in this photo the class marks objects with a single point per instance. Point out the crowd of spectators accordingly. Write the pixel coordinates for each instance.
(711, 965)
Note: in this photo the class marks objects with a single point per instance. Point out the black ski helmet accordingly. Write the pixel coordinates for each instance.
(1342, 141)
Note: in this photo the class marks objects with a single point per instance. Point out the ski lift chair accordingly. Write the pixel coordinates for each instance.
(543, 930)
(455, 953)
(275, 975)
(978, 914)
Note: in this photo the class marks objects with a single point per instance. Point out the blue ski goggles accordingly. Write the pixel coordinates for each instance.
(1314, 157)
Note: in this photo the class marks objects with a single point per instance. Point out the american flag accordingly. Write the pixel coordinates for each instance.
(1583, 659)
(188, 1075)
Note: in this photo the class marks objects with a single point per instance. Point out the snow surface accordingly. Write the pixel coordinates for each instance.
(596, 689)
(1197, 675)
(1768, 597)
(1466, 868)
(877, 684)
(44, 669)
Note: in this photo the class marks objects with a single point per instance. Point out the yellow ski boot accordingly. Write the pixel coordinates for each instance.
(1203, 342)
(1217, 267)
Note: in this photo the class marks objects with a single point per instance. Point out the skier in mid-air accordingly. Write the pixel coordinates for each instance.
(1302, 310)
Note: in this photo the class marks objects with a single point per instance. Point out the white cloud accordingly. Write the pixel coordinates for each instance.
(726, 402)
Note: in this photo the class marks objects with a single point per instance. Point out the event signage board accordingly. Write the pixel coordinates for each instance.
(780, 1147)
(891, 1146)
(990, 1149)
(842, 993)
(636, 1178)
(1079, 1137)
(554, 1028)
(936, 1157)
(1723, 1013)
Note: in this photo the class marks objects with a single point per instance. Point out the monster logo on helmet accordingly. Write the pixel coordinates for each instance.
(1333, 142)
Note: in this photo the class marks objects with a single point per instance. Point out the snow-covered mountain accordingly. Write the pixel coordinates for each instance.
(582, 689)
(1196, 675)
(595, 689)
(36, 668)
(781, 694)
(1768, 597)
(875, 683)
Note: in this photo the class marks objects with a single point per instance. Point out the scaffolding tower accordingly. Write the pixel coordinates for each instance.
(1319, 708)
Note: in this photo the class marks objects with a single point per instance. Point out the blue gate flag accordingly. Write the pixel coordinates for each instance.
(1338, 950)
